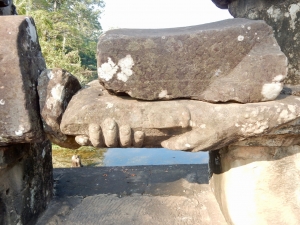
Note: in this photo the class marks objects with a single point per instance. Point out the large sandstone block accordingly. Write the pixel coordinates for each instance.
(21, 62)
(232, 60)
(257, 184)
(97, 118)
(283, 16)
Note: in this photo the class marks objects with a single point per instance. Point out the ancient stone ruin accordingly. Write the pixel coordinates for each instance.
(230, 88)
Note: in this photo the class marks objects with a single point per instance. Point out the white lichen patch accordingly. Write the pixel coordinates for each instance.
(187, 145)
(203, 126)
(240, 38)
(109, 105)
(32, 198)
(254, 128)
(2, 102)
(57, 92)
(107, 70)
(274, 13)
(292, 108)
(126, 65)
(294, 9)
(163, 95)
(31, 30)
(272, 90)
(20, 132)
(278, 78)
(50, 75)
(43, 153)
(285, 116)
(249, 28)
(218, 72)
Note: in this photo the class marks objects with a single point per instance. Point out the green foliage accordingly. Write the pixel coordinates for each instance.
(68, 32)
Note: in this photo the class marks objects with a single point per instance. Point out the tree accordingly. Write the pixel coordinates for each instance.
(68, 32)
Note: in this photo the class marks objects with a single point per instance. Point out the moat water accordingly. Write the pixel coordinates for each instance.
(125, 157)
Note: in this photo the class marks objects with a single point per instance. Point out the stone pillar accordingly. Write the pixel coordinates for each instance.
(26, 182)
(257, 185)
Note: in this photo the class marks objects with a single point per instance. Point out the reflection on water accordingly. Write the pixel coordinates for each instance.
(126, 156)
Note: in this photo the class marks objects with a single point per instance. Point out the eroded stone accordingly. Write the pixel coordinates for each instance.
(21, 62)
(179, 124)
(125, 136)
(231, 60)
(55, 88)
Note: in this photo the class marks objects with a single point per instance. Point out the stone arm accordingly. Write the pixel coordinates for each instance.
(97, 118)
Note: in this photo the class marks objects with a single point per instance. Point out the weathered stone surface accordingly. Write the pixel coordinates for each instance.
(178, 124)
(7, 7)
(257, 185)
(231, 60)
(21, 62)
(222, 4)
(155, 195)
(55, 88)
(26, 182)
(283, 16)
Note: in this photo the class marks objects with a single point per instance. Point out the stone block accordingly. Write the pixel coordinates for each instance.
(55, 88)
(21, 62)
(257, 184)
(232, 60)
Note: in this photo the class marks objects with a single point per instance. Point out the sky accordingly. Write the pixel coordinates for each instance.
(159, 13)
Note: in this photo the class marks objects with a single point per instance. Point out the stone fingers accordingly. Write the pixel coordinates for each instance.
(109, 134)
(195, 140)
(125, 136)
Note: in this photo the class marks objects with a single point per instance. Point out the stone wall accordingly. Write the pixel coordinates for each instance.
(26, 182)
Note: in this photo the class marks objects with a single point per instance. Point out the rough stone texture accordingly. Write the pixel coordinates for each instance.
(283, 16)
(178, 124)
(56, 88)
(231, 60)
(257, 185)
(26, 182)
(222, 4)
(7, 8)
(21, 62)
(139, 195)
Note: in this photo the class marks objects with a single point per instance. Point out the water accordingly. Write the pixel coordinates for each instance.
(126, 157)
